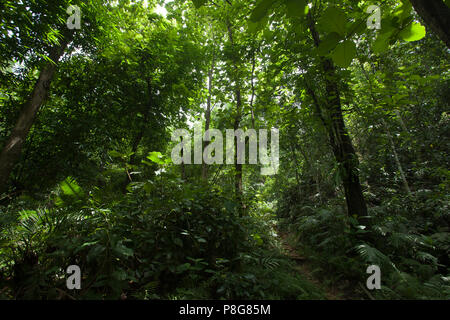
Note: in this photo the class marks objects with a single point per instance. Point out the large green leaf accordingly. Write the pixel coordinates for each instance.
(403, 12)
(328, 43)
(254, 27)
(382, 42)
(156, 157)
(296, 8)
(344, 53)
(261, 10)
(333, 20)
(413, 32)
(359, 26)
(70, 188)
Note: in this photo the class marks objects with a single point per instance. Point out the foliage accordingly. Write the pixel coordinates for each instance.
(360, 112)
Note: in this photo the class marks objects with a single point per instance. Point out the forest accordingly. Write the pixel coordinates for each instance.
(224, 150)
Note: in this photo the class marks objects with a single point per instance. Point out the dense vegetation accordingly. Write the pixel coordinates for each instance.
(87, 177)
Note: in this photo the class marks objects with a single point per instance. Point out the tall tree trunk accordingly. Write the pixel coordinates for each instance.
(140, 135)
(238, 179)
(13, 147)
(237, 120)
(183, 168)
(339, 139)
(296, 161)
(138, 138)
(208, 114)
(253, 88)
(294, 156)
(436, 15)
(310, 168)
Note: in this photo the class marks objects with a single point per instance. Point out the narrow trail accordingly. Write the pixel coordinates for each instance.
(303, 267)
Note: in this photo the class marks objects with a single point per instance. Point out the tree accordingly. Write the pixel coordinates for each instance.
(51, 25)
(13, 147)
(436, 15)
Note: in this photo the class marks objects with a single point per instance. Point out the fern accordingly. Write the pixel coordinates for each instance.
(70, 193)
(269, 263)
(374, 256)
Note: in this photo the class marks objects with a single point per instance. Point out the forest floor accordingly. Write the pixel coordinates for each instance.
(303, 266)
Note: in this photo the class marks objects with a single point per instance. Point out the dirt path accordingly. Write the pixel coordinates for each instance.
(304, 268)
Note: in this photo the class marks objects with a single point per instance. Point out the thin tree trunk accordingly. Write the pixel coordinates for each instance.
(237, 120)
(397, 160)
(316, 176)
(183, 168)
(208, 114)
(13, 147)
(310, 167)
(253, 88)
(436, 15)
(340, 141)
(402, 123)
(294, 156)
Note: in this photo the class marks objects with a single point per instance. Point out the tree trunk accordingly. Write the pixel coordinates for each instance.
(294, 156)
(436, 14)
(183, 168)
(397, 160)
(138, 138)
(402, 123)
(13, 147)
(237, 120)
(140, 135)
(339, 139)
(253, 88)
(208, 115)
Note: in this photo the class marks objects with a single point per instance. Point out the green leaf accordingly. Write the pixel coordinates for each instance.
(183, 267)
(344, 53)
(333, 20)
(261, 10)
(201, 240)
(328, 43)
(413, 32)
(253, 27)
(296, 8)
(357, 27)
(123, 250)
(115, 154)
(382, 42)
(199, 3)
(149, 187)
(178, 242)
(156, 157)
(69, 187)
(404, 11)
(258, 239)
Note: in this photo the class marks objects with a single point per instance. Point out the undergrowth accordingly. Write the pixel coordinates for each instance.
(162, 240)
(408, 237)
